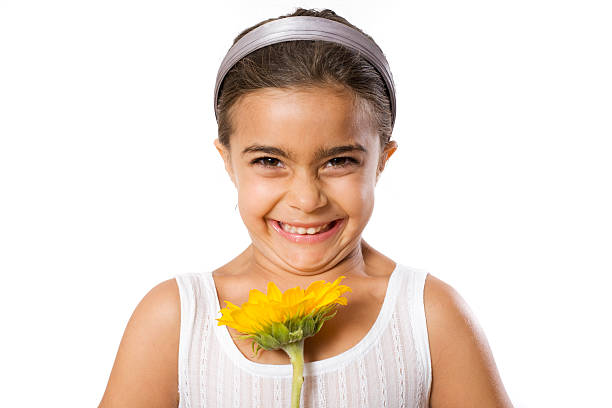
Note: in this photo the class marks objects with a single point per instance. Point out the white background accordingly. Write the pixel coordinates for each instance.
(110, 183)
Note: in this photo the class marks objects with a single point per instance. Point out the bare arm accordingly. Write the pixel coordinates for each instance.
(464, 371)
(145, 370)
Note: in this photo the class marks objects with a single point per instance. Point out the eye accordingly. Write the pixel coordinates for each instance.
(342, 161)
(270, 162)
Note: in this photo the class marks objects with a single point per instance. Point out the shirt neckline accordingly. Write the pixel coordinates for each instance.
(314, 367)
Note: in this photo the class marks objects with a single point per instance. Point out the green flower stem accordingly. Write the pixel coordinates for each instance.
(296, 355)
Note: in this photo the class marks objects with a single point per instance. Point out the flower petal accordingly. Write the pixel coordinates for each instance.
(275, 319)
(255, 296)
(274, 292)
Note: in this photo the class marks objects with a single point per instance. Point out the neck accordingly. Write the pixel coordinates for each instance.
(264, 269)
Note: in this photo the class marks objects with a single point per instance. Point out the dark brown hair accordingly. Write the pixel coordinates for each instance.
(310, 63)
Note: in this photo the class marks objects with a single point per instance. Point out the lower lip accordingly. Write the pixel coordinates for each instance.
(306, 238)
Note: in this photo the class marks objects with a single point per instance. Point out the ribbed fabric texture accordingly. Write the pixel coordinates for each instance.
(390, 367)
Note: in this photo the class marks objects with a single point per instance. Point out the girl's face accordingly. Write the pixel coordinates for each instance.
(305, 163)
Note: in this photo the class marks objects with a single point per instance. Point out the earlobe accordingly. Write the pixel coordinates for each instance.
(225, 155)
(390, 148)
(220, 148)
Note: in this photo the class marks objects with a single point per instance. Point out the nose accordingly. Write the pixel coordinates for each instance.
(305, 193)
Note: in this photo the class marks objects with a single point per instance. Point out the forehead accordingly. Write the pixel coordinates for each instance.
(301, 117)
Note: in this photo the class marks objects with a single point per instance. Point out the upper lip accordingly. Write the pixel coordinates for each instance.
(306, 225)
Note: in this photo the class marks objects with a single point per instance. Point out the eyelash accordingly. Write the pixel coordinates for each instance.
(347, 161)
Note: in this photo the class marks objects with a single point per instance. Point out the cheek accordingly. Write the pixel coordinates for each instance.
(256, 195)
(355, 196)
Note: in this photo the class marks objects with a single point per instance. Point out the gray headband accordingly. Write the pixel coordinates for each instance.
(308, 28)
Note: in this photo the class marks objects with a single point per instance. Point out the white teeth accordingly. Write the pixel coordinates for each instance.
(303, 231)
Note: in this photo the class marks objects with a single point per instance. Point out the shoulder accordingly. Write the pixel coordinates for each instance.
(145, 370)
(464, 371)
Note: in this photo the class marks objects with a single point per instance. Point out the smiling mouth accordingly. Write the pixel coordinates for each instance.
(307, 231)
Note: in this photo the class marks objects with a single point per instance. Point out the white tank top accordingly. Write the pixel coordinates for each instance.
(389, 367)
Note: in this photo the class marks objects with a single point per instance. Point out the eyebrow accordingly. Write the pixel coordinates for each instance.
(321, 153)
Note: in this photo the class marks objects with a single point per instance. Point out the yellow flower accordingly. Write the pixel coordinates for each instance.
(275, 319)
(283, 320)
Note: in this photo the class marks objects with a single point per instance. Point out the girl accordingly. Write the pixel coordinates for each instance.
(305, 105)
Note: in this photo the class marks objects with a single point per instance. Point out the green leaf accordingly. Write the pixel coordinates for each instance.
(322, 318)
(246, 336)
(280, 332)
(296, 335)
(308, 325)
(292, 325)
(267, 342)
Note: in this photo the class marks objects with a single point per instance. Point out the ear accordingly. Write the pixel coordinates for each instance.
(387, 152)
(225, 155)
